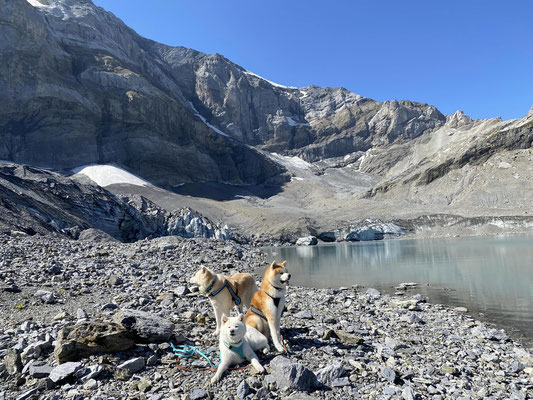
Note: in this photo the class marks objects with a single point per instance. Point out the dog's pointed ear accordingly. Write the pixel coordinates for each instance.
(283, 262)
(273, 263)
(241, 317)
(203, 268)
(224, 318)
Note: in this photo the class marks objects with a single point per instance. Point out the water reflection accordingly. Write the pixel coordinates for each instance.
(489, 275)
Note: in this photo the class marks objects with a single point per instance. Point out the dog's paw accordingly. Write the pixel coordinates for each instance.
(266, 350)
(260, 370)
(280, 348)
(214, 380)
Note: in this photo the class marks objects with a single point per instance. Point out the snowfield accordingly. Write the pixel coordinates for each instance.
(109, 174)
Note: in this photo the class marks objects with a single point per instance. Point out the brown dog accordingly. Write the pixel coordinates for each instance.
(223, 291)
(268, 303)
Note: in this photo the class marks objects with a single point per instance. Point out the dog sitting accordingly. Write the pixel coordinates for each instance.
(268, 302)
(225, 292)
(238, 343)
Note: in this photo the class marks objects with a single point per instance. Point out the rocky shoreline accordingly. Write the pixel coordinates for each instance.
(345, 342)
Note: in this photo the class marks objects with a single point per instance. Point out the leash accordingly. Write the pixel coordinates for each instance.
(187, 351)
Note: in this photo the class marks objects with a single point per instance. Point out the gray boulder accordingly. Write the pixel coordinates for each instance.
(307, 241)
(373, 293)
(45, 296)
(96, 235)
(134, 365)
(144, 326)
(12, 362)
(39, 369)
(63, 371)
(331, 373)
(289, 374)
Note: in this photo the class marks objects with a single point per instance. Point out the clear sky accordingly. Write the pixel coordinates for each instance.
(472, 55)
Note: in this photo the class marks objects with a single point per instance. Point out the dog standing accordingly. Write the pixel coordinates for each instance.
(224, 291)
(238, 343)
(268, 302)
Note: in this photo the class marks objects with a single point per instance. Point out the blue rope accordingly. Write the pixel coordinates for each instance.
(187, 351)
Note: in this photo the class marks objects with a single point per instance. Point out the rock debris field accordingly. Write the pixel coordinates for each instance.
(107, 310)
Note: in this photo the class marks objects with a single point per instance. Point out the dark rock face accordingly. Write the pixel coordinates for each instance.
(38, 201)
(78, 86)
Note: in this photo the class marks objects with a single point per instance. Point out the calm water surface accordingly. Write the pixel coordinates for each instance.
(492, 277)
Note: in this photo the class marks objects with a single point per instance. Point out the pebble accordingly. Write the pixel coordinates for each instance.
(243, 389)
(197, 394)
(388, 374)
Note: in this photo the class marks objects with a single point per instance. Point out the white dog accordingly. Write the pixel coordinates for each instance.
(238, 343)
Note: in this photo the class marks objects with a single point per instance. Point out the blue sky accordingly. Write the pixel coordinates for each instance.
(472, 55)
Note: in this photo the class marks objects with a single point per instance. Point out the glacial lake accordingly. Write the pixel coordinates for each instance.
(491, 276)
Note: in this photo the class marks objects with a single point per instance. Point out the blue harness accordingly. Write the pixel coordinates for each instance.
(226, 285)
(236, 349)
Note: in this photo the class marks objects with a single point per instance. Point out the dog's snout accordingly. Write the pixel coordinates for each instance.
(289, 277)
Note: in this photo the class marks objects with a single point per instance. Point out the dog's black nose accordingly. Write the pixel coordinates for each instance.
(289, 276)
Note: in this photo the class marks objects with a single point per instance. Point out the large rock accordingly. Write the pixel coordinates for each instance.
(86, 338)
(96, 235)
(39, 369)
(144, 326)
(289, 374)
(134, 365)
(12, 362)
(331, 373)
(63, 371)
(307, 241)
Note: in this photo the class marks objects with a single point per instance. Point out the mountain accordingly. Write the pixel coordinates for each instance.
(78, 87)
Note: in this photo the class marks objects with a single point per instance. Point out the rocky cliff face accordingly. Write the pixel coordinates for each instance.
(78, 86)
(37, 201)
(311, 122)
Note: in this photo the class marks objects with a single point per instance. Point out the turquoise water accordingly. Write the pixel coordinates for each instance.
(491, 276)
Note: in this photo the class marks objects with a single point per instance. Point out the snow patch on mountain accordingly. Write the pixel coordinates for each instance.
(294, 162)
(292, 122)
(109, 174)
(204, 120)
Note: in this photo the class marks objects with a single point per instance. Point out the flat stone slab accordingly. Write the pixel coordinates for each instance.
(63, 371)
